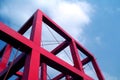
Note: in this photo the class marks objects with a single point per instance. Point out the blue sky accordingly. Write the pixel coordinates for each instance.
(96, 24)
(105, 26)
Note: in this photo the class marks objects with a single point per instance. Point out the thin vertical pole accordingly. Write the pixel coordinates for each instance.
(43, 71)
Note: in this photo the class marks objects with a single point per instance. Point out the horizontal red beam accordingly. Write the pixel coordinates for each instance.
(60, 47)
(64, 34)
(52, 60)
(8, 35)
(64, 67)
(84, 61)
(84, 50)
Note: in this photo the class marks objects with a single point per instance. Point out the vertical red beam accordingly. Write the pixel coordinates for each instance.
(75, 56)
(43, 71)
(36, 32)
(97, 70)
(5, 57)
(31, 68)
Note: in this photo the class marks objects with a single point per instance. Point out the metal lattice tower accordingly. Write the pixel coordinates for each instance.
(35, 58)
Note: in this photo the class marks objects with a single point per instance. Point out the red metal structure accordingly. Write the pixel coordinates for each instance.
(35, 58)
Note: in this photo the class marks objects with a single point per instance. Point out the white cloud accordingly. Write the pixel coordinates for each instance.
(72, 16)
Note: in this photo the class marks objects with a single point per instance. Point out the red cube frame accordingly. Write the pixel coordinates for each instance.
(34, 54)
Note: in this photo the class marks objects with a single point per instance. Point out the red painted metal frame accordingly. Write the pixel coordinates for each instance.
(34, 56)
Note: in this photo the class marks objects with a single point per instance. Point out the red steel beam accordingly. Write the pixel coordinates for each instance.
(84, 61)
(8, 35)
(31, 70)
(64, 67)
(60, 47)
(5, 57)
(36, 54)
(97, 70)
(34, 57)
(75, 56)
(84, 50)
(22, 40)
(43, 71)
(17, 65)
(26, 25)
(56, 27)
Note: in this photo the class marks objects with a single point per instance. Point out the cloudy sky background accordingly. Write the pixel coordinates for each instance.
(96, 24)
